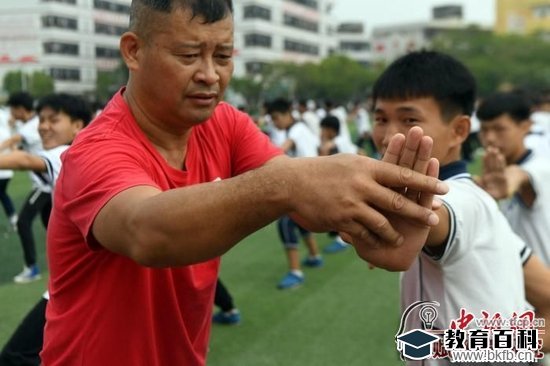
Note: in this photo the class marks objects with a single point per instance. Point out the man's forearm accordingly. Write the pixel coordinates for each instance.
(197, 223)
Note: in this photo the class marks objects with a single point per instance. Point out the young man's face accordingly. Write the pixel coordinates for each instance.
(184, 68)
(19, 113)
(57, 128)
(282, 120)
(398, 116)
(506, 135)
(328, 134)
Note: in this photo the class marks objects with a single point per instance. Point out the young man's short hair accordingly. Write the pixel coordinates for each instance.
(279, 105)
(21, 99)
(515, 105)
(425, 74)
(332, 123)
(75, 107)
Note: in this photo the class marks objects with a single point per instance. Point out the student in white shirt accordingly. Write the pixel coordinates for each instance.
(514, 174)
(6, 174)
(38, 202)
(61, 117)
(299, 142)
(473, 251)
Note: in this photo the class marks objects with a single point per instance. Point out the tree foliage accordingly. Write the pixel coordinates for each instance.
(38, 83)
(499, 61)
(108, 82)
(337, 78)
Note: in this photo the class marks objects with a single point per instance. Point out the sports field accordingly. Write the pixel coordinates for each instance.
(345, 314)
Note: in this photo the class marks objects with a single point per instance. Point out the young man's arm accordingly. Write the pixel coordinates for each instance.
(343, 193)
(519, 182)
(287, 145)
(537, 290)
(502, 181)
(21, 160)
(11, 142)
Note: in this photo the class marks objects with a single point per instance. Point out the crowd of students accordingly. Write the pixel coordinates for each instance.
(128, 204)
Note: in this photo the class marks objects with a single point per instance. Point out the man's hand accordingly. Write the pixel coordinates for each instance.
(357, 197)
(493, 179)
(414, 152)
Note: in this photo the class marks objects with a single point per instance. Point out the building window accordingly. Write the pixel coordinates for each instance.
(300, 23)
(54, 21)
(257, 40)
(60, 48)
(300, 47)
(107, 52)
(110, 29)
(255, 67)
(58, 73)
(356, 28)
(72, 2)
(111, 6)
(254, 11)
(541, 11)
(354, 46)
(309, 3)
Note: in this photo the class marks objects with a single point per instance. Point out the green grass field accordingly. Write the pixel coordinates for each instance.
(345, 314)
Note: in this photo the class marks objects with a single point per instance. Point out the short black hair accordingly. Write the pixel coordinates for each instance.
(210, 11)
(280, 105)
(75, 107)
(21, 99)
(331, 122)
(514, 104)
(425, 74)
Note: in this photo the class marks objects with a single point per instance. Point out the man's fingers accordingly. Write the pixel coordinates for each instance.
(501, 162)
(375, 228)
(390, 175)
(394, 202)
(427, 199)
(491, 160)
(393, 151)
(410, 151)
(421, 164)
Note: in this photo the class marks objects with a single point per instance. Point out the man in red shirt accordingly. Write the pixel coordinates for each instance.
(168, 178)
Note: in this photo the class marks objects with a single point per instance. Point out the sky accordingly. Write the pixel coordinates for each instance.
(390, 12)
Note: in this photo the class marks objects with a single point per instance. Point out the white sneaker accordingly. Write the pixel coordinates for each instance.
(29, 274)
(13, 222)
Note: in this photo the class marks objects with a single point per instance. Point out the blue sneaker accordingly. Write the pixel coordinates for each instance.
(29, 274)
(290, 280)
(313, 261)
(227, 318)
(335, 247)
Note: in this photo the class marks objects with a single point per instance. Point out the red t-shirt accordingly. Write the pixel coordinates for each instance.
(106, 309)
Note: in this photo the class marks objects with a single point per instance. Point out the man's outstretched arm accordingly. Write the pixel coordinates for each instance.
(346, 193)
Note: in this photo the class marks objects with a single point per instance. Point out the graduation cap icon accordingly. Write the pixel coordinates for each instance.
(416, 344)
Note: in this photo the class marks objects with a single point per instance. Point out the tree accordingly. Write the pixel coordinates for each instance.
(499, 60)
(337, 78)
(38, 83)
(108, 82)
(41, 84)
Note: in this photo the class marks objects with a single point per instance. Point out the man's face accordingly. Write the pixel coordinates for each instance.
(506, 135)
(281, 120)
(19, 113)
(328, 134)
(398, 116)
(57, 128)
(184, 69)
